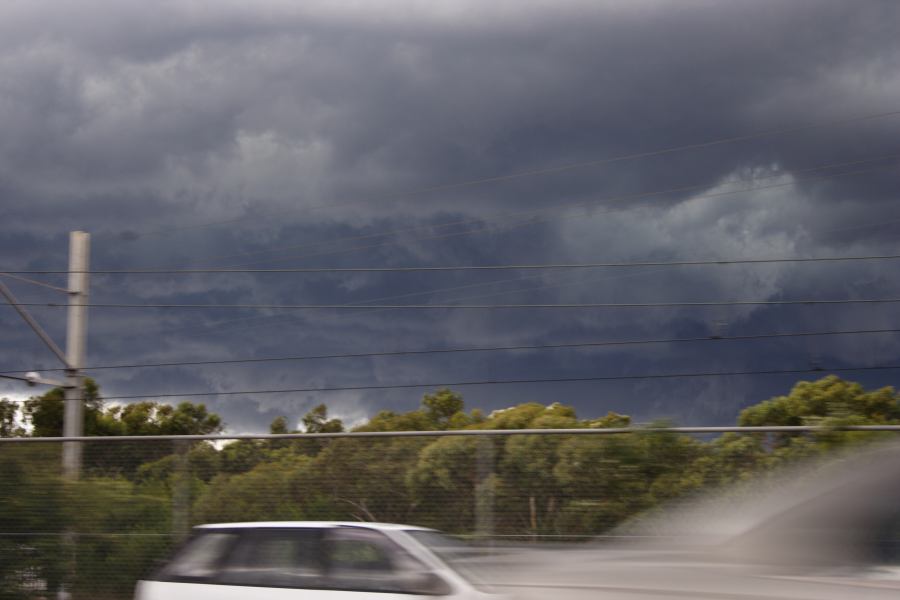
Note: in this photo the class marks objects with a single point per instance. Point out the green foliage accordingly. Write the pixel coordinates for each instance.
(317, 421)
(264, 493)
(31, 517)
(8, 424)
(153, 418)
(241, 456)
(201, 462)
(387, 420)
(515, 417)
(366, 478)
(612, 420)
(279, 426)
(442, 483)
(103, 531)
(45, 414)
(815, 402)
(115, 546)
(562, 484)
(830, 402)
(442, 406)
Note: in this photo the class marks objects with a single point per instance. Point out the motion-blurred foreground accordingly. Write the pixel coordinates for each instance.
(832, 533)
(644, 514)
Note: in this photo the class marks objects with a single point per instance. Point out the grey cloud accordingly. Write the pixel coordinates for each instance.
(298, 128)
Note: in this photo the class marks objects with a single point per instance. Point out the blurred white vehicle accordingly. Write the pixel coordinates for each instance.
(314, 560)
(824, 534)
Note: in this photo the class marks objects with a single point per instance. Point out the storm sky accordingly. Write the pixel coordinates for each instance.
(279, 134)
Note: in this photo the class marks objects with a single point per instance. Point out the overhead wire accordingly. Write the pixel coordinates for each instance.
(281, 318)
(531, 212)
(484, 382)
(453, 268)
(457, 350)
(485, 228)
(534, 214)
(475, 306)
(475, 182)
(565, 167)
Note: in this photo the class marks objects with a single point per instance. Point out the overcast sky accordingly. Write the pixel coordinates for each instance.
(326, 134)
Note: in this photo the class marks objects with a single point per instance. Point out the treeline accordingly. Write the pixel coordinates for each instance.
(134, 496)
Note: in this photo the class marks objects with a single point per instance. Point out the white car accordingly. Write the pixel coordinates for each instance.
(312, 560)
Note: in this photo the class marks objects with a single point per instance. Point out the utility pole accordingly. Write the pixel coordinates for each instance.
(73, 360)
(73, 416)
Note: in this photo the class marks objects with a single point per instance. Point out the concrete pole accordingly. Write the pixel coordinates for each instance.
(73, 417)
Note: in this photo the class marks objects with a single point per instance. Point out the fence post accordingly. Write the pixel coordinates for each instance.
(484, 488)
(181, 491)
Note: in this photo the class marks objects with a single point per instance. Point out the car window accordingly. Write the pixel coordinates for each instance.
(366, 560)
(275, 558)
(198, 558)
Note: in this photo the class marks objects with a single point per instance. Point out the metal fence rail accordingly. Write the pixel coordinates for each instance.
(455, 433)
(139, 496)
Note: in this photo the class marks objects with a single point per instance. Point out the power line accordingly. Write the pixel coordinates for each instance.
(510, 382)
(569, 166)
(283, 318)
(286, 319)
(428, 351)
(523, 267)
(533, 212)
(485, 228)
(476, 306)
(490, 228)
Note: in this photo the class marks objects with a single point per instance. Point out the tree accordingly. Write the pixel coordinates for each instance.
(527, 464)
(107, 562)
(830, 401)
(442, 406)
(265, 493)
(153, 418)
(9, 426)
(31, 513)
(365, 478)
(827, 400)
(443, 482)
(45, 412)
(317, 421)
(279, 426)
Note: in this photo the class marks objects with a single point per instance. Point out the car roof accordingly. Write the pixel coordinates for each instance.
(310, 524)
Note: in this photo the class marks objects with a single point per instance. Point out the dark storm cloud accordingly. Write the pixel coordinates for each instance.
(278, 134)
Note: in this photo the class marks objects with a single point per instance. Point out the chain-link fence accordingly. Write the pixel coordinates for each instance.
(136, 499)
